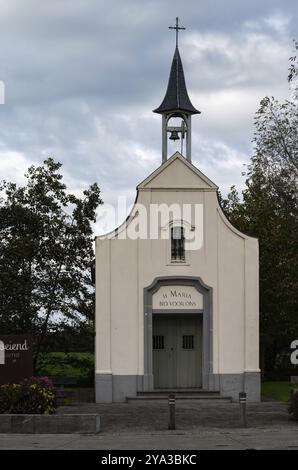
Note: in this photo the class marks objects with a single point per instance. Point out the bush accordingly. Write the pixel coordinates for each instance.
(293, 408)
(72, 364)
(31, 396)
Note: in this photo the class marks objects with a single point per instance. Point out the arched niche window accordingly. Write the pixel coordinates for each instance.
(177, 244)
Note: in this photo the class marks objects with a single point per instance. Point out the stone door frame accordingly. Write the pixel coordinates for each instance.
(206, 312)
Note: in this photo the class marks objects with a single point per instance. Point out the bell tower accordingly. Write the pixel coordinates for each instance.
(176, 104)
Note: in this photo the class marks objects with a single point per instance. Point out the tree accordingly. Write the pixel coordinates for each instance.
(269, 211)
(293, 69)
(46, 248)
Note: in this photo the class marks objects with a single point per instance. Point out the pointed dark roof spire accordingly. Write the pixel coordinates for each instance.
(176, 97)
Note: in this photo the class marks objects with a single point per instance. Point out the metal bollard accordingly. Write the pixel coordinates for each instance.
(242, 402)
(172, 402)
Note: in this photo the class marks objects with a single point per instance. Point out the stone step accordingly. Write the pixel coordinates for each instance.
(180, 391)
(164, 397)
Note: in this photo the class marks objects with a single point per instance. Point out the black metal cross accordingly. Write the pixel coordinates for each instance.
(177, 28)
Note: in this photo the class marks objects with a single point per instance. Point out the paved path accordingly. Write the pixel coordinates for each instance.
(200, 425)
(197, 440)
(190, 415)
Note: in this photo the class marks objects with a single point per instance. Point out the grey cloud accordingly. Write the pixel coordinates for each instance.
(82, 78)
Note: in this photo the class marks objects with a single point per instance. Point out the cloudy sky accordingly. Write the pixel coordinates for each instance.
(81, 80)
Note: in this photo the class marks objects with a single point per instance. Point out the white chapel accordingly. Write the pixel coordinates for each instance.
(177, 289)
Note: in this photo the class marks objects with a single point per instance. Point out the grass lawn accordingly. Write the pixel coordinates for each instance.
(277, 390)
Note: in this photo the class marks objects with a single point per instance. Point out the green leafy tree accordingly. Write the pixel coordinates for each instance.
(46, 249)
(268, 210)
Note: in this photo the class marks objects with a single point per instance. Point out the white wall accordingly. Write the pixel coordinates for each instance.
(227, 261)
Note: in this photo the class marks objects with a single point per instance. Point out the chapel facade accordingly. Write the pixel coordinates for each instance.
(177, 289)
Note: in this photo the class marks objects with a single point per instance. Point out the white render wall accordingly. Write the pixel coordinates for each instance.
(227, 262)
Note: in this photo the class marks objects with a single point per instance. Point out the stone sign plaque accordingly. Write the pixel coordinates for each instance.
(177, 298)
(15, 358)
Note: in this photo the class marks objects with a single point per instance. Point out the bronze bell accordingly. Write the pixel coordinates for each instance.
(174, 135)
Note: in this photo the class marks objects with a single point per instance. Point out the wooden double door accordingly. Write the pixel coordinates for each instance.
(177, 351)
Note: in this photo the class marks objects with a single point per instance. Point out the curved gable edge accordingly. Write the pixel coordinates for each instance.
(113, 233)
(233, 229)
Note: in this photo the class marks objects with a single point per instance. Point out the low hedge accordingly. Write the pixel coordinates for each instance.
(31, 396)
(70, 364)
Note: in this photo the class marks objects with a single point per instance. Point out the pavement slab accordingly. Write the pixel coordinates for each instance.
(200, 426)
